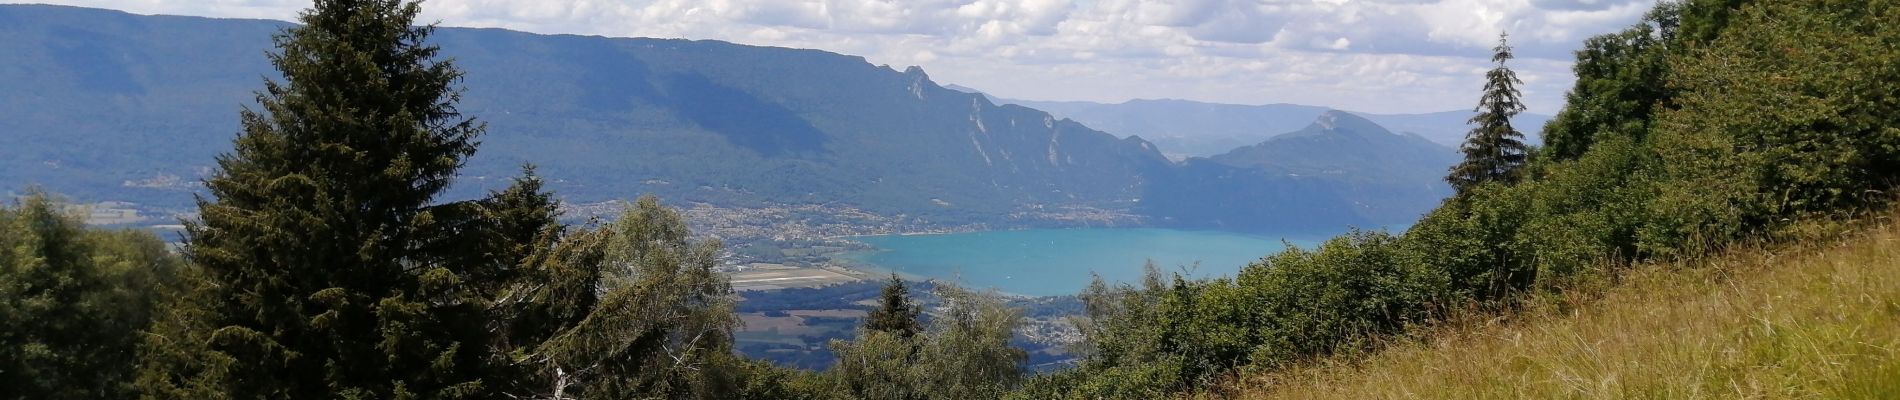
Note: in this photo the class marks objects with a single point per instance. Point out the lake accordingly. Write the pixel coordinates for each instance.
(1046, 262)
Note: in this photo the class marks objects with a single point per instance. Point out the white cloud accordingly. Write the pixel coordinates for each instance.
(1373, 55)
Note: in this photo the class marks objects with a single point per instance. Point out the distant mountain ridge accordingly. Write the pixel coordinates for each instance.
(106, 105)
(1393, 174)
(1191, 128)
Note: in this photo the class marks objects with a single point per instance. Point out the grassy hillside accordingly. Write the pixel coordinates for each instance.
(1815, 320)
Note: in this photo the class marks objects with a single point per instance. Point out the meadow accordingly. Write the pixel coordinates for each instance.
(1817, 318)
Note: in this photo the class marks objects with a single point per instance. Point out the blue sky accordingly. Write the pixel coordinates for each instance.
(1367, 55)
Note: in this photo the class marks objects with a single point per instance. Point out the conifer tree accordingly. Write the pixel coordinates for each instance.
(1493, 149)
(896, 312)
(523, 215)
(332, 270)
(516, 223)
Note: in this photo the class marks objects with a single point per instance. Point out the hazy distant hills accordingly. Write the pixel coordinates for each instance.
(104, 105)
(1191, 128)
(1186, 128)
(1393, 175)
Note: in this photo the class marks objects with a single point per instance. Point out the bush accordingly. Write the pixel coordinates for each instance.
(965, 353)
(1584, 214)
(1353, 287)
(1167, 335)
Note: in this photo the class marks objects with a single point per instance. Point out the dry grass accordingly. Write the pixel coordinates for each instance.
(1808, 320)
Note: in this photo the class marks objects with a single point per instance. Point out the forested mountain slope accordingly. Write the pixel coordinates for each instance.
(104, 105)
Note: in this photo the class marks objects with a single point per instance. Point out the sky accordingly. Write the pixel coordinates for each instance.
(1385, 56)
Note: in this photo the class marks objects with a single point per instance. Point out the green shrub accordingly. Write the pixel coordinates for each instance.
(1353, 287)
(1129, 347)
(1584, 214)
(964, 354)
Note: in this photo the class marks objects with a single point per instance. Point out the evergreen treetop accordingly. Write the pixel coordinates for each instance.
(896, 313)
(333, 273)
(1493, 149)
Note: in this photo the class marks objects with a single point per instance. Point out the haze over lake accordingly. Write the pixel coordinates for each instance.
(1047, 262)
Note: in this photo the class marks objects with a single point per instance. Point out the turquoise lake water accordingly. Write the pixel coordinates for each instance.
(1048, 262)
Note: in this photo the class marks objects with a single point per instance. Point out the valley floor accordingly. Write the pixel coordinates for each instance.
(1813, 320)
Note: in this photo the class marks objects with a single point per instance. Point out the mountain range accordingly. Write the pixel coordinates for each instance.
(1185, 128)
(1394, 176)
(106, 105)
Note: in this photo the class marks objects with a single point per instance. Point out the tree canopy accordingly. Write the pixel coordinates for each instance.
(73, 301)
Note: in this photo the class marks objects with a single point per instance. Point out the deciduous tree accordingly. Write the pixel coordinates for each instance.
(72, 302)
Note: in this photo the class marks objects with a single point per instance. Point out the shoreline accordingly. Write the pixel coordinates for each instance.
(859, 257)
(1307, 237)
(867, 267)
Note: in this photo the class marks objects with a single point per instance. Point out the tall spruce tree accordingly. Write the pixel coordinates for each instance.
(332, 271)
(896, 313)
(1493, 149)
